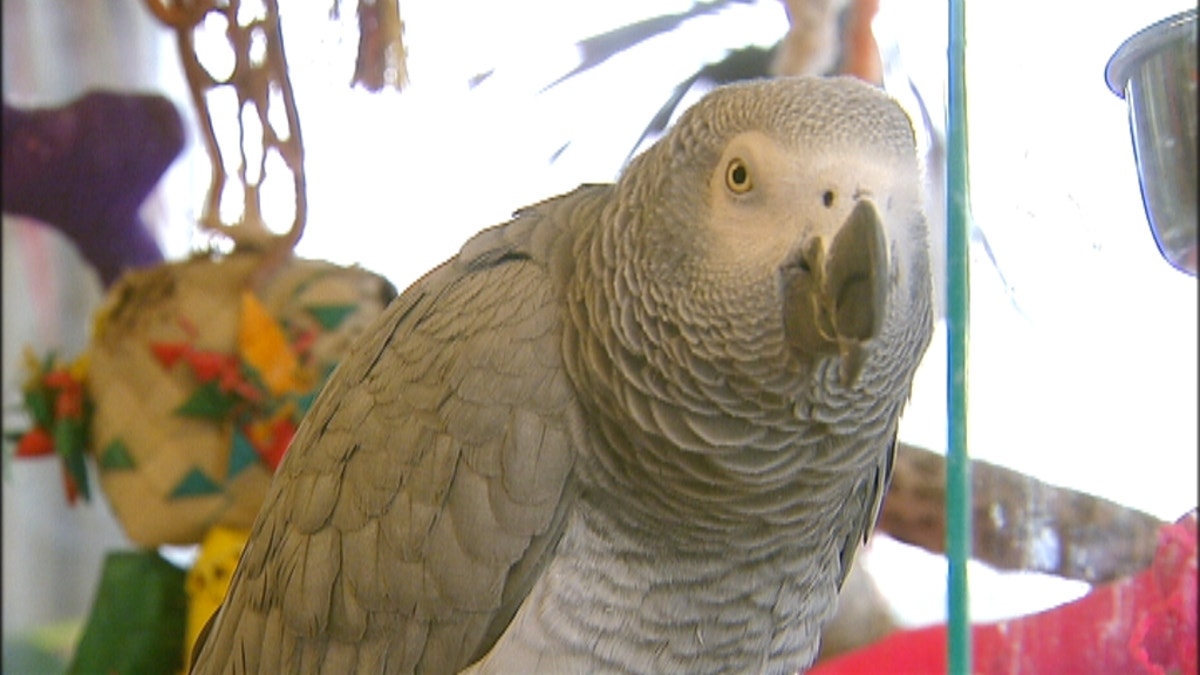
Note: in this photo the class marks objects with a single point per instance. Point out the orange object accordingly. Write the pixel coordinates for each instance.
(36, 443)
(860, 53)
(264, 346)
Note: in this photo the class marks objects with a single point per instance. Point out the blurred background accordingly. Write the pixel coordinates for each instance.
(1083, 343)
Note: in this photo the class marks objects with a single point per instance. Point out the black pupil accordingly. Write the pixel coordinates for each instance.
(739, 175)
(827, 198)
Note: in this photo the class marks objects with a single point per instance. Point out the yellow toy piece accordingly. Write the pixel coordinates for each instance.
(209, 578)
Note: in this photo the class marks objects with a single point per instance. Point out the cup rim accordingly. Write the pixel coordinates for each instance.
(1144, 43)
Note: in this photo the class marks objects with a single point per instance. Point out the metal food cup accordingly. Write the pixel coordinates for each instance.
(1155, 72)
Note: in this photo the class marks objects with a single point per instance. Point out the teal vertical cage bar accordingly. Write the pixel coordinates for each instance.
(958, 470)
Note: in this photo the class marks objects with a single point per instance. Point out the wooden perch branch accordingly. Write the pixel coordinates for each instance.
(1020, 523)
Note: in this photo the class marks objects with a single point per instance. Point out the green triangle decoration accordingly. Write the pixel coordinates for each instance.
(252, 377)
(116, 457)
(331, 316)
(208, 402)
(68, 443)
(327, 371)
(39, 406)
(242, 456)
(195, 484)
(305, 401)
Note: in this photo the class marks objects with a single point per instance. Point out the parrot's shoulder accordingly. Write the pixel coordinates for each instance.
(541, 232)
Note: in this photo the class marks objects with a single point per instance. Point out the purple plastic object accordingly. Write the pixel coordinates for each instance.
(86, 167)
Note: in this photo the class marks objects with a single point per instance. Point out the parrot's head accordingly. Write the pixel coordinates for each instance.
(791, 206)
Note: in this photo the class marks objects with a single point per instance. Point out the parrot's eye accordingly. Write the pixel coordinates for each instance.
(737, 176)
(827, 198)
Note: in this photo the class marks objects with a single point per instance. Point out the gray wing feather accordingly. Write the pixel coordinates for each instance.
(868, 501)
(428, 483)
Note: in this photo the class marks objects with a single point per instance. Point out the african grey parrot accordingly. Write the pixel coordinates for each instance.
(641, 427)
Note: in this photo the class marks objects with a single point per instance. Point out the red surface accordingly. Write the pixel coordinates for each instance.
(1143, 624)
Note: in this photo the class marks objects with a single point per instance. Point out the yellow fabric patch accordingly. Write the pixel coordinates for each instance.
(265, 348)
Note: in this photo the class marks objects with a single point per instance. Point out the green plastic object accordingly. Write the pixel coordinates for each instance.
(958, 306)
(137, 620)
